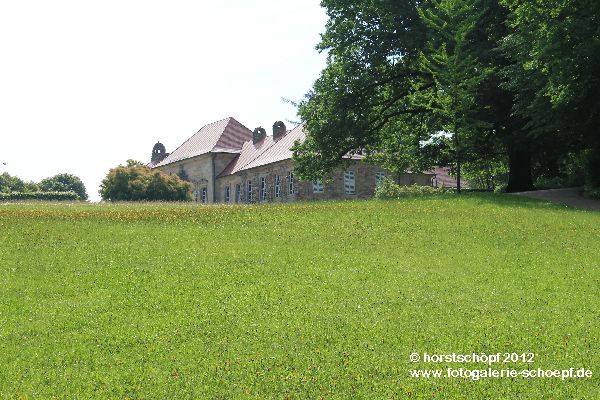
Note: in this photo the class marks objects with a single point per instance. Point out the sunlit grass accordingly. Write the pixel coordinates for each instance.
(312, 300)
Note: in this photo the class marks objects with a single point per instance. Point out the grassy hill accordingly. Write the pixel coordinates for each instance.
(296, 301)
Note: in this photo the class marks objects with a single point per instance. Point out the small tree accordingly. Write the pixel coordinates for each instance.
(64, 183)
(136, 182)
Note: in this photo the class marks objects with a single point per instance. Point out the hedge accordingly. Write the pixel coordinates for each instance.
(388, 189)
(66, 196)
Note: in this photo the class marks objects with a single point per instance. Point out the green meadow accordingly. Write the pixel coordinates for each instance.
(299, 301)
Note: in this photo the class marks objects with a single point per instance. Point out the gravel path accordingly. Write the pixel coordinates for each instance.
(570, 196)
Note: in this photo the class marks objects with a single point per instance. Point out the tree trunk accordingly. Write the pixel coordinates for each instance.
(519, 168)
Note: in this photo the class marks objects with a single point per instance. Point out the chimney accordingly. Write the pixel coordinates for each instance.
(279, 130)
(258, 135)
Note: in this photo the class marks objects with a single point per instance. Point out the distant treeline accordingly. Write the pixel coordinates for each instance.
(57, 187)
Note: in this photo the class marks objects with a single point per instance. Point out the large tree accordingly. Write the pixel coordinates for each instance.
(363, 100)
(554, 46)
(399, 73)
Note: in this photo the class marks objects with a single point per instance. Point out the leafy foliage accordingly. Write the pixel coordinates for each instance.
(485, 174)
(9, 184)
(136, 182)
(554, 47)
(511, 83)
(388, 189)
(64, 183)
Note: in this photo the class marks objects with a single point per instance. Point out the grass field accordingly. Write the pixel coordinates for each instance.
(296, 301)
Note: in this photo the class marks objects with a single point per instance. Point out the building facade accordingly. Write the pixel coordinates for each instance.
(228, 163)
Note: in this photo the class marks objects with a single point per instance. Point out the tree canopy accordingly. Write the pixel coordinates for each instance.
(414, 84)
(137, 182)
(64, 183)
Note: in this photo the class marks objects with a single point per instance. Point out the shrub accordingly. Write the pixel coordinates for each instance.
(52, 196)
(500, 188)
(556, 182)
(592, 192)
(592, 164)
(137, 182)
(389, 189)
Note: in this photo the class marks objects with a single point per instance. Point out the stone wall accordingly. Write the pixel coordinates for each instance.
(365, 182)
(199, 171)
(269, 172)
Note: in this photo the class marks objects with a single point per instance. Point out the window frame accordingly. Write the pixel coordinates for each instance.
(263, 188)
(227, 194)
(318, 186)
(250, 197)
(238, 193)
(349, 182)
(277, 186)
(291, 187)
(379, 177)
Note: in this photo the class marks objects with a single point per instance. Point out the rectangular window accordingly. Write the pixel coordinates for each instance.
(379, 176)
(203, 195)
(263, 188)
(318, 186)
(238, 193)
(277, 186)
(249, 188)
(349, 182)
(291, 183)
(227, 193)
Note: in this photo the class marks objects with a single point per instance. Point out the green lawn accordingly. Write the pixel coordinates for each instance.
(296, 301)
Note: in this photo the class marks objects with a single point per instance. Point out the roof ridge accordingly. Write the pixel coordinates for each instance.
(236, 159)
(262, 154)
(230, 122)
(190, 138)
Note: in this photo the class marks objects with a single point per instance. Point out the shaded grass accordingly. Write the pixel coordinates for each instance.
(295, 301)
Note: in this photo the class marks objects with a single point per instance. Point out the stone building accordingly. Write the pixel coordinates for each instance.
(228, 163)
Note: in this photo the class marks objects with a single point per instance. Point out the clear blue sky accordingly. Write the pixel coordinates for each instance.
(86, 85)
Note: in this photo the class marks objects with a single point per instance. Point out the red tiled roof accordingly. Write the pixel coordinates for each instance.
(280, 150)
(224, 136)
(269, 151)
(249, 153)
(266, 151)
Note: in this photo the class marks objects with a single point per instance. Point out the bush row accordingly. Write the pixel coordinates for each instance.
(389, 189)
(593, 192)
(39, 196)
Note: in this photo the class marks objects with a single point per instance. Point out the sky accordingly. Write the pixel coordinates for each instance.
(86, 85)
